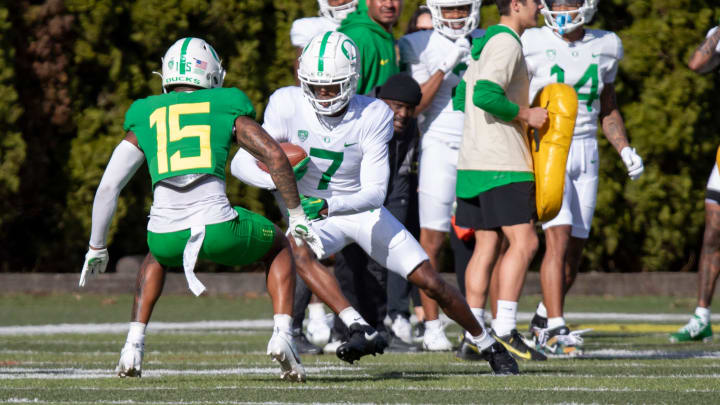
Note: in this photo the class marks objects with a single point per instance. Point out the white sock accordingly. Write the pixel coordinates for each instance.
(541, 310)
(482, 341)
(282, 322)
(350, 316)
(555, 322)
(703, 313)
(435, 324)
(136, 334)
(506, 314)
(479, 314)
(316, 310)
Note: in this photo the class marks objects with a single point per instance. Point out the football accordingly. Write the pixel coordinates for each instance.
(293, 152)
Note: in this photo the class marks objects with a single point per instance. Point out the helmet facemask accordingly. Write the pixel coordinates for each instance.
(337, 13)
(564, 22)
(445, 25)
(330, 58)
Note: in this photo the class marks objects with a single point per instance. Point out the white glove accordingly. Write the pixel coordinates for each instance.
(96, 261)
(632, 161)
(302, 232)
(456, 52)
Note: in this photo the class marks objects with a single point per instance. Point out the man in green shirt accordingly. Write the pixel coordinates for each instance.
(185, 136)
(371, 31)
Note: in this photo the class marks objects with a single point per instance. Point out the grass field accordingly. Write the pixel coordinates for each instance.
(628, 361)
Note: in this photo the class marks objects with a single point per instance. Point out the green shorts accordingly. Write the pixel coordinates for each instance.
(236, 242)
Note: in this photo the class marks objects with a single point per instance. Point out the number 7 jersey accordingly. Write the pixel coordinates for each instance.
(187, 133)
(586, 65)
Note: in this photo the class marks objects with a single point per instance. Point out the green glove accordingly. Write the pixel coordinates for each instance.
(301, 168)
(312, 206)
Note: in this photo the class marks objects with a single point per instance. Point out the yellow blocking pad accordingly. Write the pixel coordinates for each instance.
(550, 146)
(717, 156)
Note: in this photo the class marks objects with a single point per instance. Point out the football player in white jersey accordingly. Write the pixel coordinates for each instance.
(436, 59)
(332, 12)
(705, 59)
(346, 137)
(564, 51)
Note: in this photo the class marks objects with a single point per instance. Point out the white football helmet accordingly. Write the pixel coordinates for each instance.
(444, 25)
(192, 61)
(337, 13)
(330, 58)
(561, 21)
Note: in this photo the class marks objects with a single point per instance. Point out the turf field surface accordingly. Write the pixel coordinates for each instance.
(188, 361)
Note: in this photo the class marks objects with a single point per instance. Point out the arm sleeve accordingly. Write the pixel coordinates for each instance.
(124, 162)
(490, 97)
(458, 96)
(374, 172)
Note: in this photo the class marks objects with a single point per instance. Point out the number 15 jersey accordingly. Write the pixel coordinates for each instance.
(586, 65)
(349, 161)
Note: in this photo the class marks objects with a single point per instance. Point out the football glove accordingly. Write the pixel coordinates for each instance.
(312, 207)
(632, 161)
(302, 232)
(455, 54)
(301, 168)
(96, 261)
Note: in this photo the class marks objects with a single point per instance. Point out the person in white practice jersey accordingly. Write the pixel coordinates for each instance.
(564, 51)
(346, 137)
(437, 60)
(705, 59)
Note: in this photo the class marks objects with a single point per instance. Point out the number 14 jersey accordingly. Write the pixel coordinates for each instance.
(586, 65)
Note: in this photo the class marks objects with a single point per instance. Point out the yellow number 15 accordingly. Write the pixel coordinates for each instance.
(160, 120)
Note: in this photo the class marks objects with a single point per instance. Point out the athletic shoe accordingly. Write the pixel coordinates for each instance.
(402, 329)
(537, 322)
(332, 346)
(363, 340)
(397, 345)
(515, 344)
(468, 351)
(303, 345)
(560, 341)
(281, 349)
(131, 356)
(418, 332)
(435, 340)
(501, 361)
(695, 330)
(318, 332)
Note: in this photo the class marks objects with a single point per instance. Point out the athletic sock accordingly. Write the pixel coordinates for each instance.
(506, 314)
(136, 334)
(435, 324)
(350, 316)
(555, 322)
(703, 313)
(482, 341)
(282, 322)
(316, 310)
(493, 324)
(479, 315)
(541, 310)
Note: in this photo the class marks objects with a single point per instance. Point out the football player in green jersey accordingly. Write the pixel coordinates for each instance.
(185, 135)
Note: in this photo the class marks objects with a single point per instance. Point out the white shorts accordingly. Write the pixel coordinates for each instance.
(580, 192)
(436, 185)
(378, 233)
(713, 186)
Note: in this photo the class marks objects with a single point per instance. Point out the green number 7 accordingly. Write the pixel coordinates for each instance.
(336, 157)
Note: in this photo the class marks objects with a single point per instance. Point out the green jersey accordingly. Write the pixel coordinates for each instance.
(186, 133)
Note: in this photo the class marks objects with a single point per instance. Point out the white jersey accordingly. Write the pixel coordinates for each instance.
(304, 29)
(422, 52)
(586, 65)
(348, 163)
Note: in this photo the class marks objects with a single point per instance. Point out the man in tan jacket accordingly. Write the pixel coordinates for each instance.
(495, 183)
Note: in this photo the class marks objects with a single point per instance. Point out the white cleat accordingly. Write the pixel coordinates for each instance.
(402, 328)
(332, 346)
(282, 349)
(318, 332)
(435, 340)
(130, 364)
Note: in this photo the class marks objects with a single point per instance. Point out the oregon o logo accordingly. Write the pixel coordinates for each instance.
(348, 49)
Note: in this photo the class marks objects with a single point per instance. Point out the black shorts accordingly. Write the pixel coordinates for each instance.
(713, 195)
(511, 204)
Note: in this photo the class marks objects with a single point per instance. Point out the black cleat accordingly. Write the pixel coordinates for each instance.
(363, 340)
(537, 322)
(501, 362)
(397, 345)
(303, 345)
(468, 351)
(515, 344)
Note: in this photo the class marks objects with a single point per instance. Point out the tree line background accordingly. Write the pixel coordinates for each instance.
(70, 69)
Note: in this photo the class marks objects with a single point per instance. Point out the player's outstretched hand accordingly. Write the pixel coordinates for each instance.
(96, 261)
(315, 208)
(455, 54)
(302, 233)
(632, 161)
